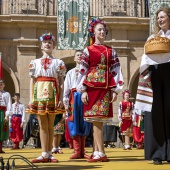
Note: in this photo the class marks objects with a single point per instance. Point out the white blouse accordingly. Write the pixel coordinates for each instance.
(70, 83)
(19, 108)
(5, 100)
(154, 59)
(47, 67)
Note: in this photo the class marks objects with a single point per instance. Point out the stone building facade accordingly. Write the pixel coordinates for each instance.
(24, 21)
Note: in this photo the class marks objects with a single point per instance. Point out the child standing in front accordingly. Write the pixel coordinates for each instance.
(46, 94)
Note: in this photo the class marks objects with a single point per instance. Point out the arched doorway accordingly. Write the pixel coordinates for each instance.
(9, 84)
(11, 81)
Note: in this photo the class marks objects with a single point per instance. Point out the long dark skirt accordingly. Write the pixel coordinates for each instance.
(157, 123)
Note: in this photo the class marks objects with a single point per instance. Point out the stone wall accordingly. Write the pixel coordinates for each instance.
(19, 45)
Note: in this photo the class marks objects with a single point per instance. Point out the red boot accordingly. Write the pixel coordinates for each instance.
(70, 143)
(83, 155)
(1, 151)
(140, 146)
(16, 146)
(76, 145)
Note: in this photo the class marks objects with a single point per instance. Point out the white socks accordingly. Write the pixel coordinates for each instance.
(97, 154)
(127, 146)
(43, 155)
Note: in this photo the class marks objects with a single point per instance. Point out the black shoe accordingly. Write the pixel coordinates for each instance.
(168, 161)
(157, 162)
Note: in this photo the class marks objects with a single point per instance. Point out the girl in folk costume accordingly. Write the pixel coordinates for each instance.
(125, 114)
(99, 80)
(5, 112)
(46, 94)
(72, 101)
(153, 90)
(17, 121)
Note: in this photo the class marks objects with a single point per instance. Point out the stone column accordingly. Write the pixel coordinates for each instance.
(27, 50)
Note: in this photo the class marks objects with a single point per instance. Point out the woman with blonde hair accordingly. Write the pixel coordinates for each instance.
(153, 90)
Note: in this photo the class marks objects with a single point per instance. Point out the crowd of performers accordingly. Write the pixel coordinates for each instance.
(84, 100)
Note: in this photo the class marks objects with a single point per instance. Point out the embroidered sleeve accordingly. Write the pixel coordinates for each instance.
(32, 68)
(61, 68)
(116, 72)
(66, 94)
(23, 113)
(120, 112)
(133, 111)
(84, 67)
(8, 103)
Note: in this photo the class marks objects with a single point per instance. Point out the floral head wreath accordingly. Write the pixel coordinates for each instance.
(126, 91)
(47, 36)
(93, 23)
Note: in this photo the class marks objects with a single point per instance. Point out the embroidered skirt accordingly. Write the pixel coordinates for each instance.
(4, 127)
(58, 127)
(99, 107)
(46, 97)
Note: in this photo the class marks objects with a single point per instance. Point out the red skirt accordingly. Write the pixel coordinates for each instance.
(99, 105)
(126, 125)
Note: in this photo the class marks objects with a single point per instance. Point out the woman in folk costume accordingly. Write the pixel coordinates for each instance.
(125, 114)
(154, 90)
(17, 121)
(72, 101)
(99, 80)
(46, 94)
(5, 112)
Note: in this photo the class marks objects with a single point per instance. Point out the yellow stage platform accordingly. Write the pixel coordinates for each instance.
(119, 160)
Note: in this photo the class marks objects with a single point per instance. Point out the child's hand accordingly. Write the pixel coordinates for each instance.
(60, 104)
(114, 97)
(22, 125)
(6, 120)
(85, 98)
(67, 108)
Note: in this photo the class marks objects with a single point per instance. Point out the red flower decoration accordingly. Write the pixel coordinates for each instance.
(86, 59)
(114, 73)
(47, 37)
(112, 61)
(117, 60)
(120, 83)
(82, 70)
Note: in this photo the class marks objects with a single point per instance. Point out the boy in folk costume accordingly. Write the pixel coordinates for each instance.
(5, 111)
(17, 121)
(125, 114)
(46, 94)
(72, 101)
